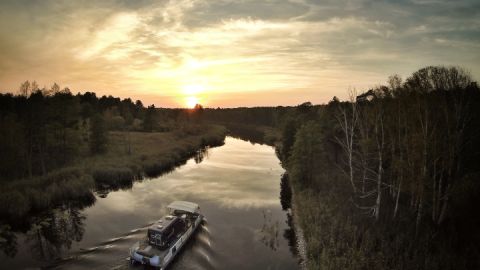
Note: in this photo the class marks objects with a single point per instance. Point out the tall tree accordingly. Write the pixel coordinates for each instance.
(98, 135)
(347, 118)
(150, 119)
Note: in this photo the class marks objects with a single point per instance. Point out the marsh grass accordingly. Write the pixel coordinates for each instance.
(134, 155)
(129, 156)
(24, 196)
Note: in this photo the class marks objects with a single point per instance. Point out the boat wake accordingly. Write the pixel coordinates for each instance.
(113, 253)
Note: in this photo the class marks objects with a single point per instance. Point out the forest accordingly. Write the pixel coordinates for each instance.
(389, 178)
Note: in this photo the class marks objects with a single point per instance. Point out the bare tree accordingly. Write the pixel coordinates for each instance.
(380, 143)
(347, 118)
(55, 88)
(25, 89)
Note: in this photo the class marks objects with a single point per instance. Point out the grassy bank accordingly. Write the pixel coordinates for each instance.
(130, 156)
(137, 154)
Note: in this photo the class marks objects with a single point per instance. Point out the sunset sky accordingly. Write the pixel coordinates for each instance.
(231, 53)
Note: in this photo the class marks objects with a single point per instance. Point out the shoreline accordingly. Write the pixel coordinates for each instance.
(155, 154)
(301, 244)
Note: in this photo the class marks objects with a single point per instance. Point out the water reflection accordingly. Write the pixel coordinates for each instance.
(49, 237)
(285, 192)
(201, 154)
(44, 236)
(126, 180)
(8, 241)
(286, 202)
(269, 231)
(237, 187)
(290, 235)
(247, 133)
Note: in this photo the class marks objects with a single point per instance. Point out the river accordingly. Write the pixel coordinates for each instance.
(237, 187)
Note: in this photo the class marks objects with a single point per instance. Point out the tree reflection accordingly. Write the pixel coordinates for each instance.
(8, 241)
(285, 192)
(201, 154)
(246, 132)
(286, 202)
(50, 233)
(54, 233)
(290, 236)
(269, 231)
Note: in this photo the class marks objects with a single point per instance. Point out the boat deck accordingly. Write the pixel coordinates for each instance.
(148, 250)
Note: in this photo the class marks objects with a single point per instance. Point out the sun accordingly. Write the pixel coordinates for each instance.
(191, 101)
(191, 93)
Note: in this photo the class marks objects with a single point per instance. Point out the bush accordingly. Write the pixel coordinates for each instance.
(37, 194)
(113, 177)
(14, 204)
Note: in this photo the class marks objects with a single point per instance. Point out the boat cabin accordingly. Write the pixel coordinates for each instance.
(163, 231)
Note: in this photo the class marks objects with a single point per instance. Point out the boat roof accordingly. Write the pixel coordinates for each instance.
(163, 224)
(184, 206)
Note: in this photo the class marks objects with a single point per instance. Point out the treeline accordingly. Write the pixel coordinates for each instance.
(45, 129)
(256, 124)
(389, 179)
(258, 116)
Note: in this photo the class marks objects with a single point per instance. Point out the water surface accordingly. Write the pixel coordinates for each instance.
(237, 187)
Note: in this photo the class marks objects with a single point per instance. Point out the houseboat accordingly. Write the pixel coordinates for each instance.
(167, 236)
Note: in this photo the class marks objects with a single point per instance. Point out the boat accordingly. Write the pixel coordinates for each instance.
(167, 236)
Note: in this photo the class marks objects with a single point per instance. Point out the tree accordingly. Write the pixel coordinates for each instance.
(98, 135)
(305, 153)
(55, 88)
(25, 89)
(288, 138)
(347, 117)
(150, 119)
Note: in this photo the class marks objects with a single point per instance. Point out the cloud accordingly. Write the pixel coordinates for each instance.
(237, 50)
(116, 31)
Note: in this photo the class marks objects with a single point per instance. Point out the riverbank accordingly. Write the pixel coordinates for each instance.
(129, 156)
(253, 133)
(301, 244)
(225, 185)
(364, 196)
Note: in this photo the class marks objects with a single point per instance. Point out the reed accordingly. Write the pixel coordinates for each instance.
(129, 156)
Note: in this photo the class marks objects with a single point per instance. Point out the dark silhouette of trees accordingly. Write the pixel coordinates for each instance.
(98, 135)
(408, 152)
(45, 129)
(288, 138)
(150, 119)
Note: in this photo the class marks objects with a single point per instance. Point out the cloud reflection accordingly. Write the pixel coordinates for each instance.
(227, 178)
